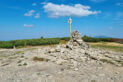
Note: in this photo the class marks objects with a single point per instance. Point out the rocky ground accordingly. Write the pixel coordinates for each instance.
(74, 62)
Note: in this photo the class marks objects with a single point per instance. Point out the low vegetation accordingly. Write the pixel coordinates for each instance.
(112, 62)
(108, 45)
(50, 41)
(91, 39)
(107, 61)
(93, 80)
(25, 64)
(19, 65)
(40, 59)
(19, 61)
(29, 42)
(120, 62)
(19, 52)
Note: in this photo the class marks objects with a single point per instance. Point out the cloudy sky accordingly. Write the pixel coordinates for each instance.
(25, 19)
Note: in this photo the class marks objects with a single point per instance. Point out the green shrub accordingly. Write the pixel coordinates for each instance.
(19, 65)
(46, 41)
(25, 64)
(6, 45)
(19, 61)
(29, 42)
(65, 38)
(91, 39)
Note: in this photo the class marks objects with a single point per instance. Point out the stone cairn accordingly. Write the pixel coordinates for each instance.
(70, 53)
(77, 51)
(76, 41)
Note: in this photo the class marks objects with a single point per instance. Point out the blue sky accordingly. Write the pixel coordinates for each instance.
(25, 19)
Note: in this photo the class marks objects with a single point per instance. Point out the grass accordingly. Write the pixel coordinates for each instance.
(108, 45)
(25, 64)
(40, 59)
(111, 62)
(63, 42)
(19, 52)
(46, 41)
(93, 80)
(19, 61)
(107, 61)
(22, 56)
(19, 65)
(120, 62)
(5, 64)
(28, 42)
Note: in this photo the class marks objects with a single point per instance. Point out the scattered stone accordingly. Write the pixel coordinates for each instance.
(52, 50)
(58, 50)
(76, 69)
(60, 61)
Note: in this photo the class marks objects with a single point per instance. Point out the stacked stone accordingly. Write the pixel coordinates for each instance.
(76, 41)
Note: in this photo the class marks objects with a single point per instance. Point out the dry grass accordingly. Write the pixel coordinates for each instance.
(19, 52)
(107, 61)
(63, 42)
(120, 62)
(108, 45)
(93, 80)
(25, 64)
(40, 59)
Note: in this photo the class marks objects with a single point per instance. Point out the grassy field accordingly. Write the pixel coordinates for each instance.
(94, 42)
(108, 45)
(29, 42)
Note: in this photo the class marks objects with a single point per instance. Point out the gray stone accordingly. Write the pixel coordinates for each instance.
(52, 50)
(76, 41)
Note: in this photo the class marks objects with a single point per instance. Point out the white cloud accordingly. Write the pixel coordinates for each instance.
(79, 10)
(119, 4)
(28, 25)
(29, 13)
(34, 4)
(37, 15)
(97, 1)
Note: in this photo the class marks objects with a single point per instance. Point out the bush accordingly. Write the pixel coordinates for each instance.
(29, 42)
(6, 45)
(46, 41)
(91, 39)
(65, 38)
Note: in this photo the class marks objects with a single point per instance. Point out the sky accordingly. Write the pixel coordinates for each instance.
(27, 19)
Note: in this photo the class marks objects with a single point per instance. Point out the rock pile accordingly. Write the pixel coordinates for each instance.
(77, 51)
(76, 41)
